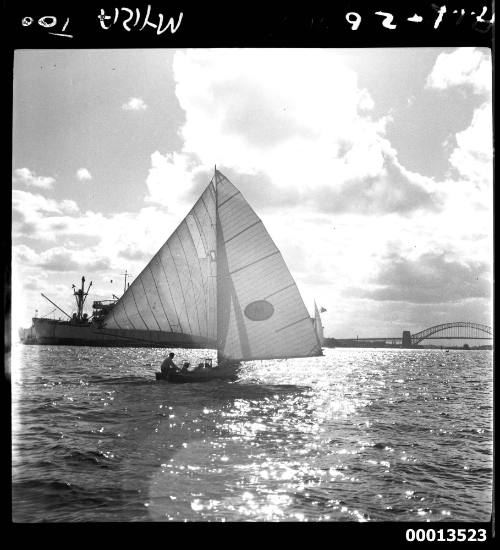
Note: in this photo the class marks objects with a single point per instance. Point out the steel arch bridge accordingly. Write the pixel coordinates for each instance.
(461, 330)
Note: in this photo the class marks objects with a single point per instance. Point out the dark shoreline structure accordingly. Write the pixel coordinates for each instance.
(354, 343)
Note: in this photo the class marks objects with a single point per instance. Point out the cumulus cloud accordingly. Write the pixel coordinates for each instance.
(470, 68)
(383, 318)
(31, 282)
(176, 180)
(273, 114)
(30, 179)
(130, 253)
(473, 155)
(390, 189)
(431, 278)
(247, 105)
(170, 179)
(22, 254)
(134, 104)
(87, 240)
(463, 67)
(60, 259)
(57, 259)
(29, 202)
(38, 217)
(83, 174)
(46, 221)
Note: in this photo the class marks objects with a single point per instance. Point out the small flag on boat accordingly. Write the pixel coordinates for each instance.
(322, 310)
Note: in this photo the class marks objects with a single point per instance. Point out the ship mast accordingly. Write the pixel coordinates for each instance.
(80, 297)
(125, 283)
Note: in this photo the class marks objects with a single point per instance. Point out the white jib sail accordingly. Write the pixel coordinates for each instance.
(261, 314)
(318, 327)
(176, 292)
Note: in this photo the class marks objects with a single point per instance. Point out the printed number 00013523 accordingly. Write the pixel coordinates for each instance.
(446, 535)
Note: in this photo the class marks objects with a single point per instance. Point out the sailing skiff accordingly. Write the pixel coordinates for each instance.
(219, 278)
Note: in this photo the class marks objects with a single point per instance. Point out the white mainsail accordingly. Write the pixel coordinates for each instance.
(176, 291)
(220, 277)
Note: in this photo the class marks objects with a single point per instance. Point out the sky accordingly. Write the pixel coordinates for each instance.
(370, 168)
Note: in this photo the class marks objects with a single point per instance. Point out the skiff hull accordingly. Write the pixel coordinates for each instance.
(220, 373)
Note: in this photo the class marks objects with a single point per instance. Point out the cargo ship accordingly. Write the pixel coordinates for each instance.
(81, 330)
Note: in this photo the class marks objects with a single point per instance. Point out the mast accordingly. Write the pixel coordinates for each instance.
(80, 297)
(217, 271)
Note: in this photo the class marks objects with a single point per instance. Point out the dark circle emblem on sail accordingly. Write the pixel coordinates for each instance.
(260, 310)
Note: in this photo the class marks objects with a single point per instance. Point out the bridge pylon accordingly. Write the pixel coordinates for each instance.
(406, 340)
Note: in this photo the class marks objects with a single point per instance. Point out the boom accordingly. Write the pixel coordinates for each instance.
(69, 317)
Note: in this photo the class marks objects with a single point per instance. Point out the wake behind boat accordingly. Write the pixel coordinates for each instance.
(220, 278)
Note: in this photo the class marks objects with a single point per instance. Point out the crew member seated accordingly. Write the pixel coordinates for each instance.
(168, 364)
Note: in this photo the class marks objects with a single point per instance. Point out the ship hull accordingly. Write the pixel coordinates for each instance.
(63, 333)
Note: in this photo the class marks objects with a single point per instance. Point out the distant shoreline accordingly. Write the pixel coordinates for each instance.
(345, 343)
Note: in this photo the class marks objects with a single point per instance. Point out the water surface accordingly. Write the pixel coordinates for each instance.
(356, 435)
